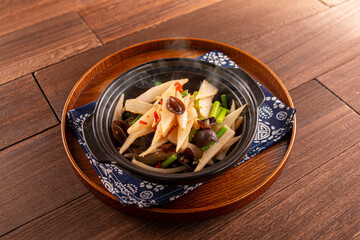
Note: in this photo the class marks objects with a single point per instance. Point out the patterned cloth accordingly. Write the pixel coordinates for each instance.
(275, 120)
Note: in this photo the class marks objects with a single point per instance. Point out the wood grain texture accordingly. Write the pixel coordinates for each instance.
(24, 111)
(344, 82)
(233, 21)
(112, 19)
(323, 52)
(315, 107)
(35, 178)
(18, 14)
(42, 44)
(219, 16)
(328, 209)
(58, 86)
(273, 45)
(102, 222)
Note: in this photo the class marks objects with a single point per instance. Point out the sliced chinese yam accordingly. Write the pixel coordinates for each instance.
(183, 133)
(151, 94)
(205, 106)
(232, 108)
(154, 145)
(172, 136)
(119, 109)
(238, 122)
(144, 122)
(214, 149)
(133, 136)
(137, 106)
(167, 117)
(182, 118)
(160, 170)
(185, 143)
(222, 153)
(231, 117)
(206, 90)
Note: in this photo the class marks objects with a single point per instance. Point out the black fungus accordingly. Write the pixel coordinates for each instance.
(118, 129)
(175, 105)
(204, 137)
(207, 123)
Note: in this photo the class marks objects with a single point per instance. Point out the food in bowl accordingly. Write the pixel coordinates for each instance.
(167, 129)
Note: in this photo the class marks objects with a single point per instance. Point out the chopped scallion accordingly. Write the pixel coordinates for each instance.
(168, 161)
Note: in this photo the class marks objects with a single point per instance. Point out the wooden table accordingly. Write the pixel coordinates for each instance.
(312, 45)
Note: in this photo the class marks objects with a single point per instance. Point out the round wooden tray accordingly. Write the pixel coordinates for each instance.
(218, 196)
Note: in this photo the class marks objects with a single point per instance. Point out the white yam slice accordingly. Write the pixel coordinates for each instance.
(231, 117)
(215, 148)
(206, 90)
(185, 143)
(182, 119)
(172, 136)
(238, 122)
(151, 94)
(119, 109)
(144, 122)
(158, 139)
(222, 153)
(154, 145)
(232, 108)
(205, 106)
(132, 137)
(137, 106)
(167, 117)
(160, 170)
(183, 133)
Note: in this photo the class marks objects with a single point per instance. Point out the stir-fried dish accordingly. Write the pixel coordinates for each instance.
(168, 129)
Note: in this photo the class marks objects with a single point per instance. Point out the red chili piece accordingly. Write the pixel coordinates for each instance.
(158, 165)
(178, 87)
(143, 122)
(156, 116)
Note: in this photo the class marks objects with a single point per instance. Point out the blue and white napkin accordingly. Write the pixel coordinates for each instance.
(275, 120)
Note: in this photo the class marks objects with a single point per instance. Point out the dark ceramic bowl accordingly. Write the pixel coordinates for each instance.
(233, 82)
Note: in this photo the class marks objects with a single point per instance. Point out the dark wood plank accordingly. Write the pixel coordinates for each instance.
(58, 86)
(84, 218)
(323, 52)
(119, 21)
(232, 20)
(35, 178)
(322, 205)
(24, 111)
(220, 16)
(42, 44)
(18, 14)
(273, 45)
(344, 82)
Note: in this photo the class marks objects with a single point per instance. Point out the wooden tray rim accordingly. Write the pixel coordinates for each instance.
(261, 186)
